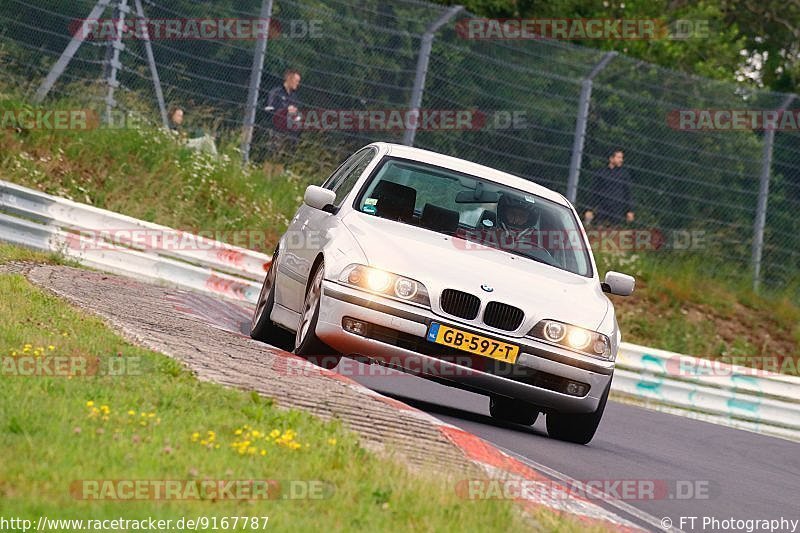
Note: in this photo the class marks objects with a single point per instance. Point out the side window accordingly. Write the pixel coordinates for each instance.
(350, 176)
(337, 174)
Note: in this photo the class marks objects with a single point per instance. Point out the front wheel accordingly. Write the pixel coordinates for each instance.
(514, 411)
(261, 327)
(578, 428)
(306, 342)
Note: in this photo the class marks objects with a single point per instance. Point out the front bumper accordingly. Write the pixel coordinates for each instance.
(400, 336)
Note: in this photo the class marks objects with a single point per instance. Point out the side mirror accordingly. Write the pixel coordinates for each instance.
(618, 283)
(319, 198)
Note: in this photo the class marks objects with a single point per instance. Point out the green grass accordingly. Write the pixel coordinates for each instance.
(143, 172)
(149, 419)
(690, 305)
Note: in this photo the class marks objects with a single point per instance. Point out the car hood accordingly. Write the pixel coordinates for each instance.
(440, 262)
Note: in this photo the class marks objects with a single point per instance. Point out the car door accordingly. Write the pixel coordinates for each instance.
(307, 233)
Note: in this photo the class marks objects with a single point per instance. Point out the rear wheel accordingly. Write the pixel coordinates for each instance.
(514, 411)
(578, 428)
(261, 327)
(306, 342)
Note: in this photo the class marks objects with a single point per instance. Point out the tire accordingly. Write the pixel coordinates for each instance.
(503, 408)
(306, 342)
(577, 428)
(261, 327)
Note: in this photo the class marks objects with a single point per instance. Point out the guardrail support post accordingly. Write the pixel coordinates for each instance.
(422, 70)
(255, 82)
(580, 127)
(763, 195)
(69, 52)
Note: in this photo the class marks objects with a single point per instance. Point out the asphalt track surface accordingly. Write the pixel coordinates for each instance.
(699, 469)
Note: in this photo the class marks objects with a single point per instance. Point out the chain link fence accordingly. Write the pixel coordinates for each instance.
(549, 111)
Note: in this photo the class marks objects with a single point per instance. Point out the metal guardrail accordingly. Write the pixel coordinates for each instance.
(117, 243)
(720, 393)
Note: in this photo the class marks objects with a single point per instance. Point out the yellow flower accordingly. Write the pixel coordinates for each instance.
(90, 403)
(195, 436)
(132, 412)
(51, 347)
(263, 452)
(332, 442)
(151, 415)
(274, 433)
(237, 432)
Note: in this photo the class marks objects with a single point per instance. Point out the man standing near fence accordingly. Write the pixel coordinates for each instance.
(610, 194)
(283, 116)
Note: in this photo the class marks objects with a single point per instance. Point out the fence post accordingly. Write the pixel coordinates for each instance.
(113, 83)
(763, 196)
(255, 82)
(69, 52)
(422, 71)
(148, 46)
(580, 127)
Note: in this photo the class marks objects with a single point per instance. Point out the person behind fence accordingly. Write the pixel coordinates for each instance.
(284, 114)
(198, 140)
(176, 121)
(610, 195)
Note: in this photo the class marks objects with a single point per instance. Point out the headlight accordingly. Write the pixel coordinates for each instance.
(386, 284)
(574, 338)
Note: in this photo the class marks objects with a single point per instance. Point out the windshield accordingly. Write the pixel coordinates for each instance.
(478, 212)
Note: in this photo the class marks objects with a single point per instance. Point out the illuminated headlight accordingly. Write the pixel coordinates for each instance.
(574, 338)
(385, 283)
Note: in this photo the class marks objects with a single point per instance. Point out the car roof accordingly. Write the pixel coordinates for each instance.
(468, 167)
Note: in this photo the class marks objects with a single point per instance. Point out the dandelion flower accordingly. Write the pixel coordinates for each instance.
(90, 403)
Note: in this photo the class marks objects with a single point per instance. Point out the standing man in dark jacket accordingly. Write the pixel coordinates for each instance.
(611, 194)
(282, 116)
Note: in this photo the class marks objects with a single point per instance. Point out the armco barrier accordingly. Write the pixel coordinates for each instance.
(734, 395)
(48, 223)
(731, 395)
(100, 225)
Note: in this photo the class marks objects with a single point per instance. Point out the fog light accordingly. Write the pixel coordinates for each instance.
(576, 389)
(351, 325)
